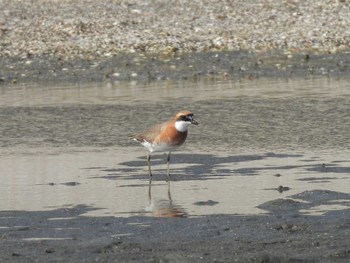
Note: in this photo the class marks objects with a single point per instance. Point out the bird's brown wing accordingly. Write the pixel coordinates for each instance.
(150, 134)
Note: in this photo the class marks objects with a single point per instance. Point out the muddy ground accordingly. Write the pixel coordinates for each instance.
(146, 68)
(283, 235)
(317, 45)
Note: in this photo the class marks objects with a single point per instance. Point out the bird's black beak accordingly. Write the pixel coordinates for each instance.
(194, 122)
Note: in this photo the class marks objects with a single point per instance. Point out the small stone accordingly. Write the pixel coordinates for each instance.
(50, 250)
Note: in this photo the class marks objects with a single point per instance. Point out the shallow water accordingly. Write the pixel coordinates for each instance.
(258, 140)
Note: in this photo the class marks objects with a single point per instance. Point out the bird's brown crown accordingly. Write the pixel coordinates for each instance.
(182, 114)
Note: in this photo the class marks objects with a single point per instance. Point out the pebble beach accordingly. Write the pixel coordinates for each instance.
(85, 28)
(39, 39)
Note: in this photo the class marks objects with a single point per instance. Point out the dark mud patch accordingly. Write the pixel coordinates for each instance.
(208, 203)
(199, 166)
(145, 67)
(283, 235)
(321, 196)
(330, 168)
(316, 180)
(307, 200)
(280, 188)
(66, 184)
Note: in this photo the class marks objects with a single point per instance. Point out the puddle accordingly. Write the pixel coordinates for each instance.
(257, 141)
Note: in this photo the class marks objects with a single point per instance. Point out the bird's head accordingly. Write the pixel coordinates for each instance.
(183, 119)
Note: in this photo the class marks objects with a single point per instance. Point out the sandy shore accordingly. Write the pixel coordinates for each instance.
(315, 120)
(93, 41)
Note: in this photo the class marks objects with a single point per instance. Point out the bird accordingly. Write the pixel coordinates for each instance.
(165, 137)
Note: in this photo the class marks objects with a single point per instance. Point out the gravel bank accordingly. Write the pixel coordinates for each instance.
(84, 40)
(83, 28)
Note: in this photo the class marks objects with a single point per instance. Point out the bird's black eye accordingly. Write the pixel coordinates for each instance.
(183, 117)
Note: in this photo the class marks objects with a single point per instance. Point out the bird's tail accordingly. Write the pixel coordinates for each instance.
(134, 138)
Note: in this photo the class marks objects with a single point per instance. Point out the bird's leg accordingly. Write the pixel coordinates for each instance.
(169, 193)
(149, 167)
(168, 165)
(150, 192)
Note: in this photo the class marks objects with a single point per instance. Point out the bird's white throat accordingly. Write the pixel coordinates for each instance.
(182, 126)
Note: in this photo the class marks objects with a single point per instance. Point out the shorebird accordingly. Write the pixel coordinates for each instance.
(166, 137)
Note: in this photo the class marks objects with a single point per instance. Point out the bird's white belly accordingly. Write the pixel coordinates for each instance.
(157, 147)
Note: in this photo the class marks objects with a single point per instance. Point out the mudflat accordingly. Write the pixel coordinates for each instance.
(264, 176)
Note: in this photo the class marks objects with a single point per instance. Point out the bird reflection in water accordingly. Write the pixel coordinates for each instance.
(164, 207)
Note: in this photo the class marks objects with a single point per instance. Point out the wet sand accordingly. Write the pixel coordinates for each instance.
(74, 189)
(281, 236)
(271, 94)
